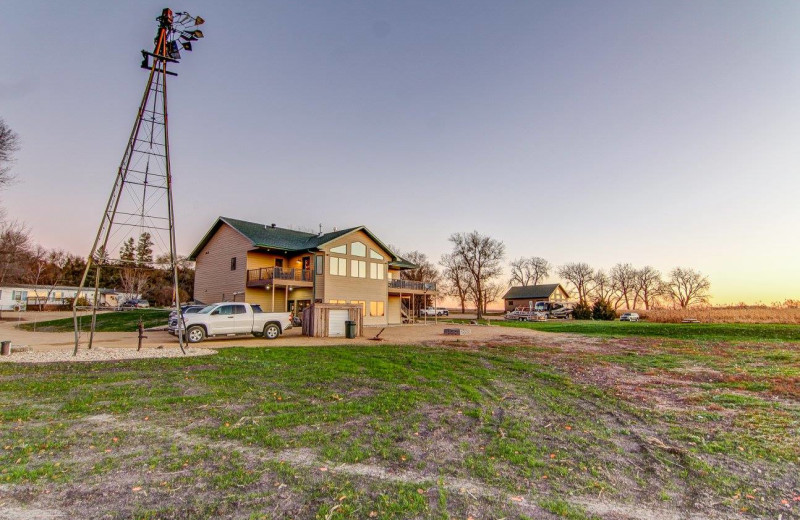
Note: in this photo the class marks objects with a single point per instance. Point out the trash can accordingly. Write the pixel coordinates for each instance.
(5, 348)
(350, 329)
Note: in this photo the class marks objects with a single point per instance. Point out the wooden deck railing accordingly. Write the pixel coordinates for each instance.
(412, 285)
(268, 274)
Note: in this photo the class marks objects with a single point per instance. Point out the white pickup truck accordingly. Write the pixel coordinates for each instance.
(226, 318)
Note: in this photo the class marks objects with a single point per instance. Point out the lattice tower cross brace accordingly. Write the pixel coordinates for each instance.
(158, 76)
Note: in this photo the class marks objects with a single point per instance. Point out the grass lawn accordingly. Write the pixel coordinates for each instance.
(516, 431)
(122, 321)
(687, 331)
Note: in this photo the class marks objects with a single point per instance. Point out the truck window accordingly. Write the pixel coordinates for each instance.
(256, 309)
(239, 309)
(224, 310)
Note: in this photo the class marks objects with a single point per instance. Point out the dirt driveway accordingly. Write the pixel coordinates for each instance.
(399, 335)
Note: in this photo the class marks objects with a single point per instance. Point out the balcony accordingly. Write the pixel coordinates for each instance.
(411, 286)
(279, 276)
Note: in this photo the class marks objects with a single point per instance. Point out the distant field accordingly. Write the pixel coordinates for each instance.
(124, 321)
(697, 331)
(740, 314)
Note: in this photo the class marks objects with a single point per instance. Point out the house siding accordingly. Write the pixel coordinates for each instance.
(393, 315)
(349, 288)
(263, 297)
(214, 280)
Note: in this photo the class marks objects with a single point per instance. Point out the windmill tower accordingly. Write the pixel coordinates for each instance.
(137, 232)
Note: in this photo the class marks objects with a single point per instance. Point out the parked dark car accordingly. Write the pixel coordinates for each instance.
(186, 310)
(133, 303)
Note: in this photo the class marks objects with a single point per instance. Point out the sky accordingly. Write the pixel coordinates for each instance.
(655, 133)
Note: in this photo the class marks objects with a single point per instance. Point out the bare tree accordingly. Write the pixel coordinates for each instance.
(649, 285)
(456, 279)
(9, 143)
(15, 245)
(581, 276)
(529, 271)
(687, 286)
(425, 272)
(482, 257)
(491, 293)
(37, 264)
(603, 287)
(623, 278)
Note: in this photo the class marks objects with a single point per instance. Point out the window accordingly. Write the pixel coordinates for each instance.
(376, 308)
(358, 249)
(239, 309)
(358, 268)
(363, 306)
(224, 310)
(376, 271)
(233, 263)
(319, 263)
(340, 250)
(511, 302)
(342, 302)
(374, 254)
(279, 262)
(338, 266)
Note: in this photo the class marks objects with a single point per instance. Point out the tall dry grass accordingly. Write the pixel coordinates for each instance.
(736, 314)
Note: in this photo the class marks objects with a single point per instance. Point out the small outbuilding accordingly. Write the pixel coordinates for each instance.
(329, 320)
(528, 295)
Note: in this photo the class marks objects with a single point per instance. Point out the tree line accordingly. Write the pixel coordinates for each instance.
(24, 262)
(472, 274)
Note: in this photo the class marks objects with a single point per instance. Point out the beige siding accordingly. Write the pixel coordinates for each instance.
(257, 260)
(393, 315)
(263, 297)
(214, 281)
(349, 288)
(319, 279)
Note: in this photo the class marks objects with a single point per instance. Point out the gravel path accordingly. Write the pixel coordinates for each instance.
(100, 354)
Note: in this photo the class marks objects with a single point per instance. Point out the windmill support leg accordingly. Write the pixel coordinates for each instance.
(94, 305)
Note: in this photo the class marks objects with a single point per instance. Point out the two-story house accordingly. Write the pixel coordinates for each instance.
(287, 270)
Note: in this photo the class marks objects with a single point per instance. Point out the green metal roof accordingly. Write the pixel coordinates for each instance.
(531, 291)
(289, 240)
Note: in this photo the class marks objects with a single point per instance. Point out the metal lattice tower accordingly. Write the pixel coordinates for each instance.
(140, 207)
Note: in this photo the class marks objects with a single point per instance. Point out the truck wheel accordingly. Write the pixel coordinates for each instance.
(196, 334)
(271, 331)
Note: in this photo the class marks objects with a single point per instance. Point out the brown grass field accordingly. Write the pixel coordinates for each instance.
(732, 314)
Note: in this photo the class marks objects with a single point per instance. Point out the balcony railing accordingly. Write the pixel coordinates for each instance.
(269, 274)
(411, 285)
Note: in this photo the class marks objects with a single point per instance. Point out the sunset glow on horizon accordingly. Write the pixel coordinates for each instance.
(658, 133)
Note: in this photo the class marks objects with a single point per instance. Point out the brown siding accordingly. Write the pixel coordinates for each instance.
(214, 281)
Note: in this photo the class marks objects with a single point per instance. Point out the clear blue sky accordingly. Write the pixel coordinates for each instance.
(660, 133)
